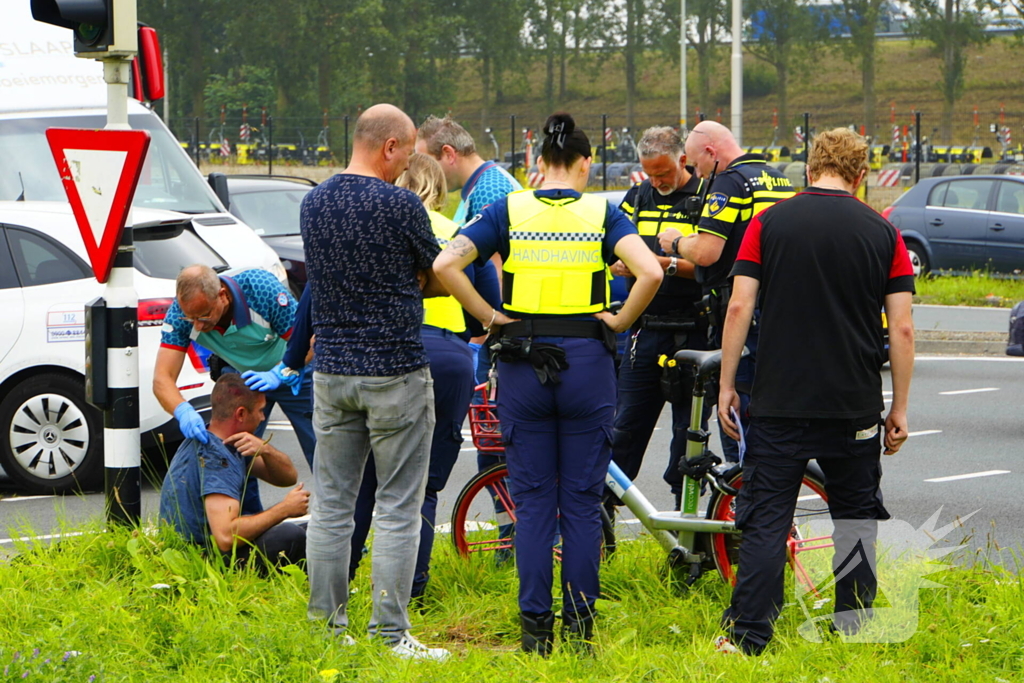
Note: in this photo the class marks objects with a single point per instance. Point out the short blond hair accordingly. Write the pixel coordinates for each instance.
(425, 178)
(839, 152)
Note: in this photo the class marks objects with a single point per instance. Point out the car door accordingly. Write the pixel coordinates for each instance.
(1006, 227)
(956, 222)
(56, 285)
(11, 300)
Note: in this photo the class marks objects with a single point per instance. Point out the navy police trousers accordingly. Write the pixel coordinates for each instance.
(558, 446)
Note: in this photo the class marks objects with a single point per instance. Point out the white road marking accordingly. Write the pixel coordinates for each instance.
(967, 391)
(987, 359)
(972, 475)
(17, 499)
(281, 428)
(811, 497)
(925, 432)
(43, 537)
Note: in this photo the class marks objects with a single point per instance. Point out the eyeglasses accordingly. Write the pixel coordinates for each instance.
(205, 319)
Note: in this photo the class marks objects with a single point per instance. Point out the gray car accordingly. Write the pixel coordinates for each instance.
(963, 223)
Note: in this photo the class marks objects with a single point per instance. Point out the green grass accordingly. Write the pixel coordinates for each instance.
(976, 289)
(98, 594)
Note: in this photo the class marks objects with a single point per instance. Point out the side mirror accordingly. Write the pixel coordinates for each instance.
(219, 183)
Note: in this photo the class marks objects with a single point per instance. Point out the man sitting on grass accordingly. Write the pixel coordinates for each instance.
(202, 492)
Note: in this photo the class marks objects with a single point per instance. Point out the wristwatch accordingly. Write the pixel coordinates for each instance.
(288, 372)
(673, 266)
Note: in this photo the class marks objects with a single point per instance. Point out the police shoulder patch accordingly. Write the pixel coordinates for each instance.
(282, 299)
(716, 202)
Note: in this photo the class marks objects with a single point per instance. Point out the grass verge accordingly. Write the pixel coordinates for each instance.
(975, 289)
(146, 607)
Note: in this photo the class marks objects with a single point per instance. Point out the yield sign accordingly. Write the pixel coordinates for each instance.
(100, 170)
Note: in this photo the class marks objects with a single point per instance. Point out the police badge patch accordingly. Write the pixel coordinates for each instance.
(716, 202)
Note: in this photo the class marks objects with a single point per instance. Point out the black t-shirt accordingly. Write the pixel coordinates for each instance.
(653, 213)
(825, 262)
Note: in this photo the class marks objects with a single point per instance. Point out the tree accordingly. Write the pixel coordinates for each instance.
(951, 26)
(861, 19)
(705, 21)
(784, 34)
(494, 32)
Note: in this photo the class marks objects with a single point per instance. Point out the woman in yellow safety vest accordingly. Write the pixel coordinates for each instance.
(557, 341)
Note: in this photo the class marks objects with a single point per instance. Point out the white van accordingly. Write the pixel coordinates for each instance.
(43, 292)
(43, 85)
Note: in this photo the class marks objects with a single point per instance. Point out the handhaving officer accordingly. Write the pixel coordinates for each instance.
(672, 321)
(246, 318)
(556, 366)
(745, 185)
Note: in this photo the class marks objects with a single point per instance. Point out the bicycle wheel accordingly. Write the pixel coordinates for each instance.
(484, 516)
(812, 505)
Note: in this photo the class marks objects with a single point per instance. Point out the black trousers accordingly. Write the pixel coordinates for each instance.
(777, 453)
(278, 545)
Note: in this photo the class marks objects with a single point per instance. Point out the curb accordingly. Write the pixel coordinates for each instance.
(954, 348)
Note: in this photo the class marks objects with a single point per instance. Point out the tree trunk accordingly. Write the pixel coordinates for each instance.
(485, 83)
(782, 75)
(629, 53)
(196, 71)
(499, 83)
(867, 74)
(562, 57)
(549, 77)
(705, 58)
(323, 79)
(949, 75)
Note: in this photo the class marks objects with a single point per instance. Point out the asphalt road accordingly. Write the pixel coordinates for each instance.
(966, 434)
(961, 318)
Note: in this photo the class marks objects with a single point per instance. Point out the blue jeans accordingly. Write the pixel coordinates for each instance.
(395, 415)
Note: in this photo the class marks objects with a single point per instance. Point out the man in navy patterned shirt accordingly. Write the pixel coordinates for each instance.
(369, 251)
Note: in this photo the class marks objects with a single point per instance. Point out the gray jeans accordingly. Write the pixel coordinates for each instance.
(395, 417)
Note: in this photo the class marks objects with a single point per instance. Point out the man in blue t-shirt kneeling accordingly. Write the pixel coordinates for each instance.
(204, 488)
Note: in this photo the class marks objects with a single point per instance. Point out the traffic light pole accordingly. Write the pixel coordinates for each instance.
(122, 446)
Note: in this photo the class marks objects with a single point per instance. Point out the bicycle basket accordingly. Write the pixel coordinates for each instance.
(483, 422)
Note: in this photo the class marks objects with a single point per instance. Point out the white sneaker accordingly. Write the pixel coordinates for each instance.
(725, 646)
(410, 648)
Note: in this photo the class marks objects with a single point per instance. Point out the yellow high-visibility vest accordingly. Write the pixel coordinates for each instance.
(555, 263)
(443, 311)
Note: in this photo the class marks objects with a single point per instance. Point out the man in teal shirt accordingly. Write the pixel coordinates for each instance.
(246, 319)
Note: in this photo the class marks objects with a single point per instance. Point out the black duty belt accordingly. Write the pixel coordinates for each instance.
(672, 323)
(587, 329)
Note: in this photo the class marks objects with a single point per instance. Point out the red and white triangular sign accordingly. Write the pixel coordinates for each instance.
(100, 170)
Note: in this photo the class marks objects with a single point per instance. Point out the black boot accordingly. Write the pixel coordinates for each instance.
(538, 632)
(578, 632)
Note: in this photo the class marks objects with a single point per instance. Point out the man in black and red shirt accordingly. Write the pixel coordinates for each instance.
(821, 266)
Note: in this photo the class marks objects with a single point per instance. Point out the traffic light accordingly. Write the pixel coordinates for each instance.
(102, 28)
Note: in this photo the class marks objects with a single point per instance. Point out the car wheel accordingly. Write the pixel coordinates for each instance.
(918, 259)
(51, 440)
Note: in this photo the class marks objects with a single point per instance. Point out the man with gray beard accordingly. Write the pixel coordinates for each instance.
(671, 321)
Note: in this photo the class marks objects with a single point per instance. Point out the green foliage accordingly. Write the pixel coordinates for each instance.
(144, 606)
(759, 81)
(246, 85)
(976, 289)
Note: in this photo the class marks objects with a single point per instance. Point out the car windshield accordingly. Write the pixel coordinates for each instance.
(169, 180)
(271, 212)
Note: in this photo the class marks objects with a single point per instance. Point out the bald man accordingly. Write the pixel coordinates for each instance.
(744, 187)
(369, 250)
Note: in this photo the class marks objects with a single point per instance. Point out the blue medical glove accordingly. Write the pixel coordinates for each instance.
(261, 381)
(191, 425)
(272, 379)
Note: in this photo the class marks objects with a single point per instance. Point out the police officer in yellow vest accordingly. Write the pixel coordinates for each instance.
(556, 370)
(445, 335)
(667, 199)
(745, 186)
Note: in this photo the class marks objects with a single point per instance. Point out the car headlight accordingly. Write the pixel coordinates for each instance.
(279, 272)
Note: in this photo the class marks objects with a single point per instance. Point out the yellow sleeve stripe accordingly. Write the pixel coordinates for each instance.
(711, 232)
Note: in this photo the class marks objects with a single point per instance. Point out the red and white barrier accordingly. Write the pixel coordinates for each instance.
(637, 177)
(888, 178)
(535, 179)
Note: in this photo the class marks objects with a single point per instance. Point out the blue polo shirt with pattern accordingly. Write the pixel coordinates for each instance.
(486, 185)
(262, 317)
(365, 242)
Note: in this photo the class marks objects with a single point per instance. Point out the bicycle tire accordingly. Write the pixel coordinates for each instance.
(479, 526)
(724, 548)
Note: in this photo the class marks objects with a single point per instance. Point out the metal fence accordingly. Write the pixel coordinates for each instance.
(904, 146)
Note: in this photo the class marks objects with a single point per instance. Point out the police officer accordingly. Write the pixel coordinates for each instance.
(672, 319)
(745, 185)
(246, 319)
(556, 366)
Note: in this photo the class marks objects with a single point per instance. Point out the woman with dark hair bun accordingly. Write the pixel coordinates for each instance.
(555, 340)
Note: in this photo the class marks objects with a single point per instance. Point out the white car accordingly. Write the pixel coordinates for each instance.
(50, 438)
